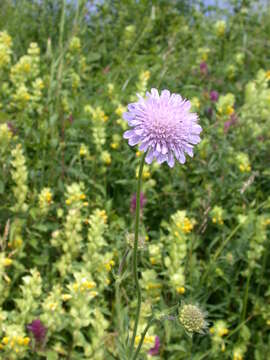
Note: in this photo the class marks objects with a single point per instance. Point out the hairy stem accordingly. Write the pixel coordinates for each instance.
(135, 256)
(150, 323)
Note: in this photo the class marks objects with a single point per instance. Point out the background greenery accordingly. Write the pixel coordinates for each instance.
(67, 177)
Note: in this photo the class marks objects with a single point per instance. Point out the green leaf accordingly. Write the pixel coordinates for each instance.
(2, 187)
(52, 355)
(92, 57)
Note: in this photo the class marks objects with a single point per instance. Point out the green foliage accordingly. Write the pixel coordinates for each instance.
(67, 73)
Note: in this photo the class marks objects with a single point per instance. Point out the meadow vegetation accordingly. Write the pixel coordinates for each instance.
(68, 178)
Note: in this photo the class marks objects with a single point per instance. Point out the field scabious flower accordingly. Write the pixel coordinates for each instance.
(193, 319)
(164, 127)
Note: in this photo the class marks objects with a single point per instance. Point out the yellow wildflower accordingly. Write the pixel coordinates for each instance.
(7, 262)
(120, 110)
(66, 297)
(26, 341)
(5, 340)
(181, 290)
(229, 110)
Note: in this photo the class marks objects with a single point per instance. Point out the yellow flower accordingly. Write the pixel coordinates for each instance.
(229, 110)
(110, 87)
(18, 242)
(120, 110)
(220, 28)
(267, 75)
(52, 306)
(75, 44)
(148, 340)
(83, 150)
(195, 104)
(66, 297)
(151, 286)
(181, 290)
(20, 340)
(188, 226)
(106, 158)
(26, 341)
(49, 197)
(5, 340)
(109, 265)
(103, 215)
(5, 39)
(222, 332)
(114, 146)
(7, 262)
(145, 75)
(90, 284)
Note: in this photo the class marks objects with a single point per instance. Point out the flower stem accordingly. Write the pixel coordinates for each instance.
(135, 255)
(150, 323)
(244, 309)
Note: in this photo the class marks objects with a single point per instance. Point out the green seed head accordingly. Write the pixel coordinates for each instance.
(192, 318)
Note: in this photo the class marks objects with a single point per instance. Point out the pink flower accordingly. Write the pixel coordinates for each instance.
(203, 68)
(229, 123)
(214, 96)
(133, 202)
(155, 350)
(38, 330)
(164, 127)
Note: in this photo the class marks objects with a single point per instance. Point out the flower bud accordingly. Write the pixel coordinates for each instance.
(192, 318)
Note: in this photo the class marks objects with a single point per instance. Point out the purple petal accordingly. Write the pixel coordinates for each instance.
(154, 93)
(165, 94)
(134, 140)
(150, 156)
(128, 134)
(170, 160)
(128, 116)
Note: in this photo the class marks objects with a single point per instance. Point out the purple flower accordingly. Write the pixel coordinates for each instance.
(133, 202)
(209, 112)
(229, 123)
(164, 127)
(11, 127)
(38, 330)
(203, 68)
(214, 96)
(155, 350)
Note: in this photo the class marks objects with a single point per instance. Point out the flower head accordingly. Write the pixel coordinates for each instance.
(164, 127)
(38, 330)
(203, 68)
(229, 123)
(214, 95)
(155, 349)
(193, 319)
